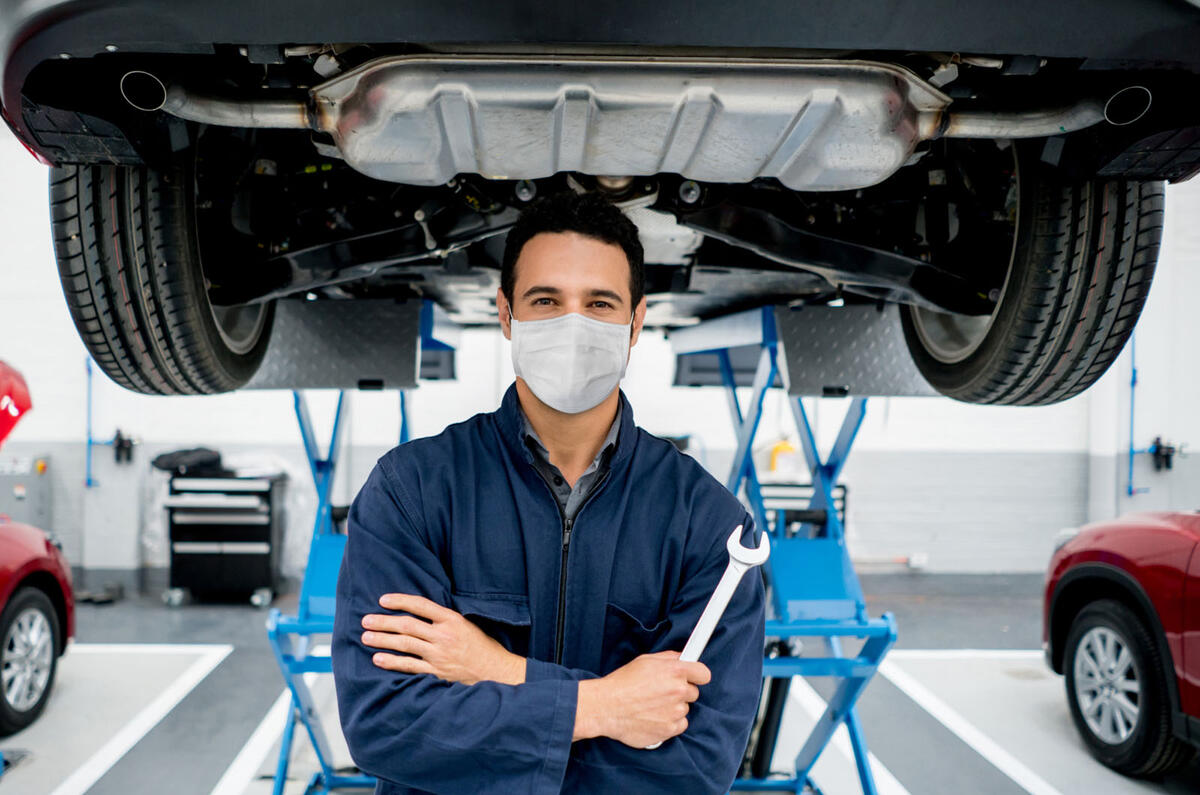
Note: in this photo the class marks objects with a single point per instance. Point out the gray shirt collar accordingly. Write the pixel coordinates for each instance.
(610, 442)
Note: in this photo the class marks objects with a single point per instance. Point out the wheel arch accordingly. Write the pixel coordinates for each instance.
(1090, 582)
(46, 582)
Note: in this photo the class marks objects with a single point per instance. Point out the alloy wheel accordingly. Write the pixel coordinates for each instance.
(1108, 685)
(28, 656)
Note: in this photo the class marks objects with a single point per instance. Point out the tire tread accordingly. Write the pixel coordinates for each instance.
(128, 263)
(1089, 257)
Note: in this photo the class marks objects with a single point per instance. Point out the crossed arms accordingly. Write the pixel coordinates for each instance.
(645, 701)
(462, 707)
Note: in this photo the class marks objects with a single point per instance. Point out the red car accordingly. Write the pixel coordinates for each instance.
(1121, 622)
(36, 619)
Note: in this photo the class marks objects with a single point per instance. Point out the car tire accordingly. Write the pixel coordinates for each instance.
(1082, 258)
(27, 674)
(1108, 630)
(128, 248)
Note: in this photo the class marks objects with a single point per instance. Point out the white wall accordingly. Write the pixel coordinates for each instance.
(1167, 346)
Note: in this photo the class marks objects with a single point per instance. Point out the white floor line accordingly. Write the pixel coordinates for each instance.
(965, 654)
(811, 702)
(249, 760)
(90, 772)
(142, 648)
(245, 766)
(985, 746)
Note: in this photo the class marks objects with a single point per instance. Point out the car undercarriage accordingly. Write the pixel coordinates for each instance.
(997, 196)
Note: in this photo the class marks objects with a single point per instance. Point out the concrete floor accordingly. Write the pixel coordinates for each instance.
(200, 706)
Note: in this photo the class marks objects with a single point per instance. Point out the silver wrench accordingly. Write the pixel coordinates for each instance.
(741, 560)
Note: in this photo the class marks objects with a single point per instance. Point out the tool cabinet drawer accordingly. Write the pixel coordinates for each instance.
(225, 533)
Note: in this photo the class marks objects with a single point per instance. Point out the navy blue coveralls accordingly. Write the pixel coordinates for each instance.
(464, 519)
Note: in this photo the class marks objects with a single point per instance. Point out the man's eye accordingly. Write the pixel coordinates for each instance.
(602, 304)
(542, 302)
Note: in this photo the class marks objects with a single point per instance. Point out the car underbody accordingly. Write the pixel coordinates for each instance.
(340, 167)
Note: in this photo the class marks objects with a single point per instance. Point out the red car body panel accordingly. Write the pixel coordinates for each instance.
(27, 552)
(1190, 690)
(1154, 553)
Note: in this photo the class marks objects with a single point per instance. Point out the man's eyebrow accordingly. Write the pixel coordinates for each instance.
(541, 289)
(609, 294)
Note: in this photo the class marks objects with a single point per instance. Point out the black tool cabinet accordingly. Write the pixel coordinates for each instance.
(226, 537)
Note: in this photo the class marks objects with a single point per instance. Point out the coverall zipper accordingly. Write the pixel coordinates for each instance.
(568, 526)
(562, 590)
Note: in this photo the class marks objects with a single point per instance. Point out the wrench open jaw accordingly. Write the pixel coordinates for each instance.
(748, 556)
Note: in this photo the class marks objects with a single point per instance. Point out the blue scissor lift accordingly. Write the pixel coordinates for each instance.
(291, 636)
(814, 590)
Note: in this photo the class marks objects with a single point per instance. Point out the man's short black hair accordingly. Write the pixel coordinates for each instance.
(586, 214)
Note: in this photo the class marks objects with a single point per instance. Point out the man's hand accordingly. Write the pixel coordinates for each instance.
(643, 702)
(444, 643)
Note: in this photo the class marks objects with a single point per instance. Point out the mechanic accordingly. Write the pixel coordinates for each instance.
(515, 591)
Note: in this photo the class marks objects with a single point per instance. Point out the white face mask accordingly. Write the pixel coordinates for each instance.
(571, 362)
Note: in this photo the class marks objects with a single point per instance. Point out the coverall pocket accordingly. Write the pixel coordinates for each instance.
(503, 617)
(626, 636)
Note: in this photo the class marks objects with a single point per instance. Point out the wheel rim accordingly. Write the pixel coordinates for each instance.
(239, 326)
(951, 338)
(1108, 685)
(28, 656)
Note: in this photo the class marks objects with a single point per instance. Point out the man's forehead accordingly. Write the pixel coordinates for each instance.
(567, 255)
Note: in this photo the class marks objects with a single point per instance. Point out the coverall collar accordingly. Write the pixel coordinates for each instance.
(511, 421)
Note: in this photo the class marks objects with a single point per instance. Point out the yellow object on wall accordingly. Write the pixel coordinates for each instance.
(782, 447)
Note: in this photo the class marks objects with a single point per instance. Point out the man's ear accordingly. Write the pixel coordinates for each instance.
(639, 317)
(503, 310)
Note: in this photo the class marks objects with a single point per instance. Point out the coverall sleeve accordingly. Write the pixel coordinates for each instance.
(540, 670)
(416, 729)
(706, 757)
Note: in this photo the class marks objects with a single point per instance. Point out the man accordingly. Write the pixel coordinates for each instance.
(515, 591)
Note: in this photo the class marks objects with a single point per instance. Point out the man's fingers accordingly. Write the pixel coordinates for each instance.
(401, 625)
(404, 643)
(417, 605)
(693, 693)
(404, 665)
(697, 673)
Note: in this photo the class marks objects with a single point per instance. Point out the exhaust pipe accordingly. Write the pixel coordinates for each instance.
(419, 120)
(1124, 107)
(146, 92)
(1127, 105)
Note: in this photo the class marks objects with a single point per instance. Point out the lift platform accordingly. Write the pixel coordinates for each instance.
(813, 589)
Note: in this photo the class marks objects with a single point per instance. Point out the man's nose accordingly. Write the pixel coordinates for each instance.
(574, 306)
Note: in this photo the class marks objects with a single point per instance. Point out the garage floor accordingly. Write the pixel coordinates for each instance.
(963, 704)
